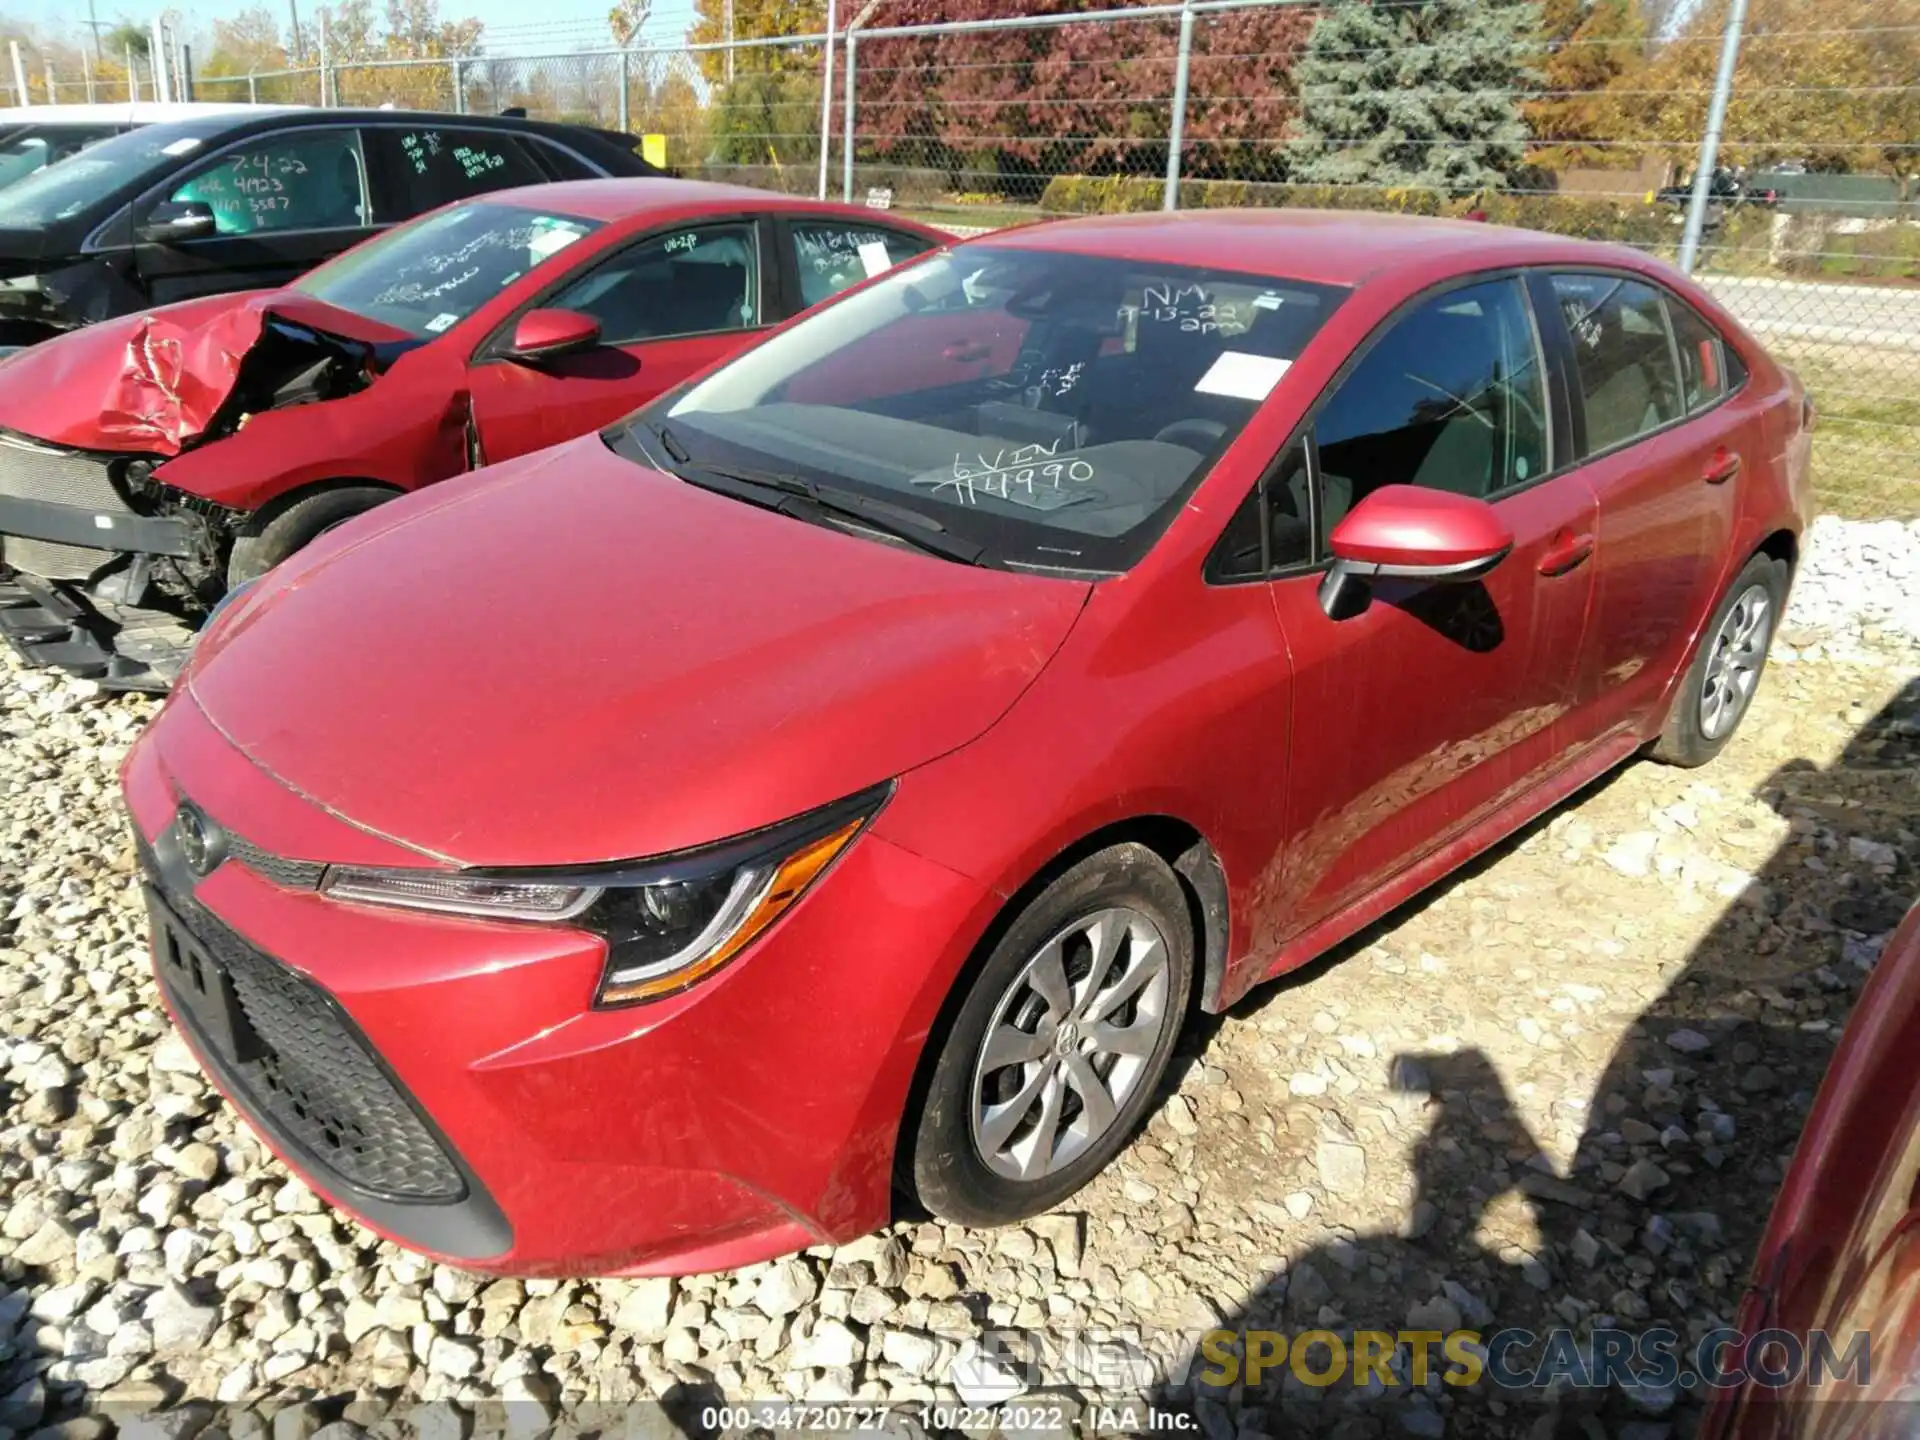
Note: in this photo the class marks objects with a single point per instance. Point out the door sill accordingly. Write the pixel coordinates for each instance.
(1418, 876)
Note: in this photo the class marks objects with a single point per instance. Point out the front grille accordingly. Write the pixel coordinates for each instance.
(32, 471)
(292, 874)
(301, 1068)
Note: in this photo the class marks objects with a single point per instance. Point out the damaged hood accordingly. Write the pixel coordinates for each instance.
(572, 658)
(153, 383)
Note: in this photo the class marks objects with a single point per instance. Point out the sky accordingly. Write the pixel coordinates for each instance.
(513, 26)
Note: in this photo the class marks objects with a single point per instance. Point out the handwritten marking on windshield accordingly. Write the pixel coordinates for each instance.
(1018, 467)
(1189, 307)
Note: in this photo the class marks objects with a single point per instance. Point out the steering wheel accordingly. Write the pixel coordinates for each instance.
(1192, 434)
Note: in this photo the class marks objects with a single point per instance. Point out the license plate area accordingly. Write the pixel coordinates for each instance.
(200, 985)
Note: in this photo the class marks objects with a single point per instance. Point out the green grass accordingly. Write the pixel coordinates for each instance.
(1866, 441)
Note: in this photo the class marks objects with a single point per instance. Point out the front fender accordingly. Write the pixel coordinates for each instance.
(406, 430)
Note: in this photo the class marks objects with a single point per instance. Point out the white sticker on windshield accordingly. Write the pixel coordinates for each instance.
(1242, 376)
(445, 320)
(184, 146)
(1266, 302)
(873, 258)
(550, 237)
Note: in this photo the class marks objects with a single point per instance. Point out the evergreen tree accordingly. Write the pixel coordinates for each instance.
(1417, 93)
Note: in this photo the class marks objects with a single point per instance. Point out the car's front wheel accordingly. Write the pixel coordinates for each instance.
(279, 531)
(1059, 1043)
(1726, 670)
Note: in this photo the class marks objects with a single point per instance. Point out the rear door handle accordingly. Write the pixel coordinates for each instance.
(1722, 466)
(1567, 552)
(965, 351)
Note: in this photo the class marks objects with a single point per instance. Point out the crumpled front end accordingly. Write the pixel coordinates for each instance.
(111, 567)
(96, 549)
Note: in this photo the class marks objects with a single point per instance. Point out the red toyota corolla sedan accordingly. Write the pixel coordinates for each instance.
(150, 462)
(855, 768)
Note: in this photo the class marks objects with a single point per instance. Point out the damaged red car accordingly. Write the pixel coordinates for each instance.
(149, 464)
(856, 768)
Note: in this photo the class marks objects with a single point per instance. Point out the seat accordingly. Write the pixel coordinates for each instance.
(1620, 407)
(1460, 460)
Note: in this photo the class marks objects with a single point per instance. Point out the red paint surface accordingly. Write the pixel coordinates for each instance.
(1842, 1250)
(1406, 525)
(572, 657)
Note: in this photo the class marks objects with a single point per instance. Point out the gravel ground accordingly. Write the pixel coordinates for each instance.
(1557, 1091)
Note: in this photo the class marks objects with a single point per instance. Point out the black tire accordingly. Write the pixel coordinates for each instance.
(279, 531)
(950, 1173)
(1690, 738)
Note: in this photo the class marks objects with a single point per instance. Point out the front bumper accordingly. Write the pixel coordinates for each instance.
(64, 520)
(751, 1115)
(105, 531)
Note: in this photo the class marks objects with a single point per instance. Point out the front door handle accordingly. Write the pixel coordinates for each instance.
(965, 352)
(1722, 466)
(1567, 552)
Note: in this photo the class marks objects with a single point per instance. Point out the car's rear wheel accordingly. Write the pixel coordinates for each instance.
(277, 533)
(1720, 684)
(1059, 1043)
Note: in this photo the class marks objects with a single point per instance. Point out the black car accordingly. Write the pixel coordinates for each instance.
(253, 199)
(1725, 187)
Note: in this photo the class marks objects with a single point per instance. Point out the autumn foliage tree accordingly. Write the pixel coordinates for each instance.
(1831, 85)
(986, 109)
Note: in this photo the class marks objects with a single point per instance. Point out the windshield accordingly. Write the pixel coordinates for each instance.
(67, 187)
(427, 277)
(1052, 408)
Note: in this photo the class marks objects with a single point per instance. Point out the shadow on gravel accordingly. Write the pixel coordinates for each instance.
(1712, 1081)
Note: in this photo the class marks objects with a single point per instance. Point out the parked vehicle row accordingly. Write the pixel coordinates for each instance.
(150, 463)
(253, 196)
(33, 137)
(849, 771)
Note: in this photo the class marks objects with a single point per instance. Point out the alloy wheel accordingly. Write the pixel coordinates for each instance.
(1069, 1043)
(1733, 664)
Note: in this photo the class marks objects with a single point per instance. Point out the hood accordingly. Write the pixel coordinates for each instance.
(156, 382)
(21, 249)
(572, 658)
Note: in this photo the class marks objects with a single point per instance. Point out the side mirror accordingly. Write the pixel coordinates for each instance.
(547, 334)
(172, 221)
(1406, 532)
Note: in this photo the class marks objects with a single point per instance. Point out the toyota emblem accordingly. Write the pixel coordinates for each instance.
(202, 845)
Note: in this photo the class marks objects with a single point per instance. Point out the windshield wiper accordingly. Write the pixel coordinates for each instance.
(806, 499)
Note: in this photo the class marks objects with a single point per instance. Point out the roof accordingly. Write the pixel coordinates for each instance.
(1332, 247)
(616, 199)
(139, 112)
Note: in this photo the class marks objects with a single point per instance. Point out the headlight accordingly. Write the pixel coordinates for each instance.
(667, 922)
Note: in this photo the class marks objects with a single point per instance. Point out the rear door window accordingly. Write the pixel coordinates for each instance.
(299, 180)
(1628, 383)
(830, 255)
(429, 166)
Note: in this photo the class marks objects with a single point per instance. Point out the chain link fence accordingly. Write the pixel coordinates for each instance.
(1768, 145)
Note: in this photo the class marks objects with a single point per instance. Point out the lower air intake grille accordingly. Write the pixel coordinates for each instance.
(302, 1069)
